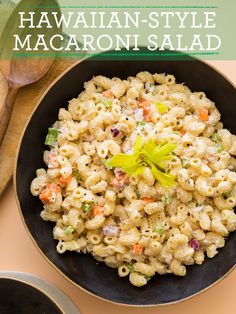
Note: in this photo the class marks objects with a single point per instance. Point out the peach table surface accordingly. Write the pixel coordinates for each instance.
(18, 253)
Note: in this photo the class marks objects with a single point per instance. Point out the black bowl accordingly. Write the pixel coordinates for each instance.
(83, 270)
(18, 297)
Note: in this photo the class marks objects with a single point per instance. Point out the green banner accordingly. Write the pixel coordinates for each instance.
(119, 28)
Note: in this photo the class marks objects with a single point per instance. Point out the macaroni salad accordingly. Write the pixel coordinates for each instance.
(141, 174)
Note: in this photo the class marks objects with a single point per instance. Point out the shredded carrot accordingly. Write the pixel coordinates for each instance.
(202, 114)
(97, 210)
(125, 180)
(182, 132)
(54, 187)
(46, 196)
(108, 94)
(122, 179)
(65, 181)
(144, 104)
(137, 249)
(148, 118)
(148, 199)
(49, 193)
(116, 182)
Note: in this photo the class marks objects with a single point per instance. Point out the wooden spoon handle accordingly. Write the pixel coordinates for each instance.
(6, 110)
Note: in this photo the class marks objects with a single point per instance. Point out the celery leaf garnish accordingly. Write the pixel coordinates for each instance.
(150, 155)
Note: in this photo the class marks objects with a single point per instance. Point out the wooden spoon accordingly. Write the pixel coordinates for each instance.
(19, 72)
(22, 73)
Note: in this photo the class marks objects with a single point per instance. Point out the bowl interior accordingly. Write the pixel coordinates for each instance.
(21, 298)
(96, 277)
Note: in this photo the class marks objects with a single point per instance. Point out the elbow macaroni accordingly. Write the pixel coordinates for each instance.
(133, 223)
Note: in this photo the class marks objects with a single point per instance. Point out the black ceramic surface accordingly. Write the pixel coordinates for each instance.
(20, 298)
(95, 277)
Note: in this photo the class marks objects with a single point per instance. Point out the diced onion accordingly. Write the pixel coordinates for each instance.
(138, 114)
(111, 230)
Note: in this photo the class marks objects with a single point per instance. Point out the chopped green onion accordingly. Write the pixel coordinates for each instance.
(99, 90)
(69, 230)
(76, 174)
(130, 267)
(161, 108)
(176, 132)
(185, 162)
(226, 195)
(87, 207)
(219, 148)
(106, 102)
(166, 199)
(215, 137)
(152, 88)
(142, 123)
(160, 228)
(51, 137)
